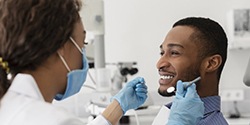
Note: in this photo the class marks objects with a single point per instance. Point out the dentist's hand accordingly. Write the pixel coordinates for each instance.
(132, 95)
(187, 107)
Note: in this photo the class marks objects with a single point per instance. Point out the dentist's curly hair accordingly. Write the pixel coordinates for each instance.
(32, 30)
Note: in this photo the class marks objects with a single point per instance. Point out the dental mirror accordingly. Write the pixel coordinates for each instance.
(172, 89)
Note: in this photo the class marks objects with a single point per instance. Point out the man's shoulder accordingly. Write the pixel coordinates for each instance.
(213, 114)
(214, 118)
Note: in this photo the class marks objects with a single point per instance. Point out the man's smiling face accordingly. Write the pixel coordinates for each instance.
(178, 59)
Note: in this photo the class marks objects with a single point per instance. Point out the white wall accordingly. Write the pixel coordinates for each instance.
(134, 30)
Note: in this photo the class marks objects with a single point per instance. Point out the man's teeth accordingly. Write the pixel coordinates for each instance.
(166, 77)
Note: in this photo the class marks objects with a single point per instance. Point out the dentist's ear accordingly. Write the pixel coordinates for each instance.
(61, 54)
(63, 48)
(61, 51)
(212, 63)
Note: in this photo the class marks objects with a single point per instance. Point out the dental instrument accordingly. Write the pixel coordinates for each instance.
(172, 89)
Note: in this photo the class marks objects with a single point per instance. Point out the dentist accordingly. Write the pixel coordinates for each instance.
(42, 57)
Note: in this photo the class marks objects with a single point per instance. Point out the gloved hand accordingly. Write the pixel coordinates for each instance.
(187, 107)
(132, 95)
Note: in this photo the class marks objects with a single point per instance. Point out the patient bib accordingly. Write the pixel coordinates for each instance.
(162, 116)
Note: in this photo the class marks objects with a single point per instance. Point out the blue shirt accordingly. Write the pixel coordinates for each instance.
(212, 114)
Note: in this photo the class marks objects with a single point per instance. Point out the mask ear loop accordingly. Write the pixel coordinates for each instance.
(64, 62)
(77, 46)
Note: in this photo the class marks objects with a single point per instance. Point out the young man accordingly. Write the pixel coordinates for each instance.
(195, 47)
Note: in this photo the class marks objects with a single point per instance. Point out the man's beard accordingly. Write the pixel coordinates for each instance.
(192, 73)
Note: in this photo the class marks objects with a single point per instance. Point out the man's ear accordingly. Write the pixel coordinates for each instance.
(212, 63)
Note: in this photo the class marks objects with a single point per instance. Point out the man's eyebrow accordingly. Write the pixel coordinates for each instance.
(175, 45)
(172, 45)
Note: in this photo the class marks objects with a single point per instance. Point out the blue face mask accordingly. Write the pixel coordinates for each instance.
(76, 78)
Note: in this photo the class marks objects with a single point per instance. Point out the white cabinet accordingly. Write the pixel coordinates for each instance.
(239, 28)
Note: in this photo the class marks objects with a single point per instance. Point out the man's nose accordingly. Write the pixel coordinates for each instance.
(162, 62)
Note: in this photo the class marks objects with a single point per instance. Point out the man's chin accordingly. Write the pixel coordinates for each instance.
(165, 93)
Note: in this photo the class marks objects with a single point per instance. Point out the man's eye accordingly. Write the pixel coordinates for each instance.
(174, 53)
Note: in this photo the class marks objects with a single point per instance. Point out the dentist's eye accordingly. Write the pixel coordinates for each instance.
(161, 53)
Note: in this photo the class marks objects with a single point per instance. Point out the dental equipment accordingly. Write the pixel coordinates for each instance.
(172, 89)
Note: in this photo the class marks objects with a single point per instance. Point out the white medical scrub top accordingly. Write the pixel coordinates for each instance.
(23, 104)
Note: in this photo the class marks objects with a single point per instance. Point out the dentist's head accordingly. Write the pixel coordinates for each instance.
(35, 38)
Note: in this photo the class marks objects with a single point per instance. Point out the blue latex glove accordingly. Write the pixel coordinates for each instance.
(132, 95)
(187, 107)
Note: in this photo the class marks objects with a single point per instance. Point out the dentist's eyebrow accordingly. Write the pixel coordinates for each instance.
(85, 33)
